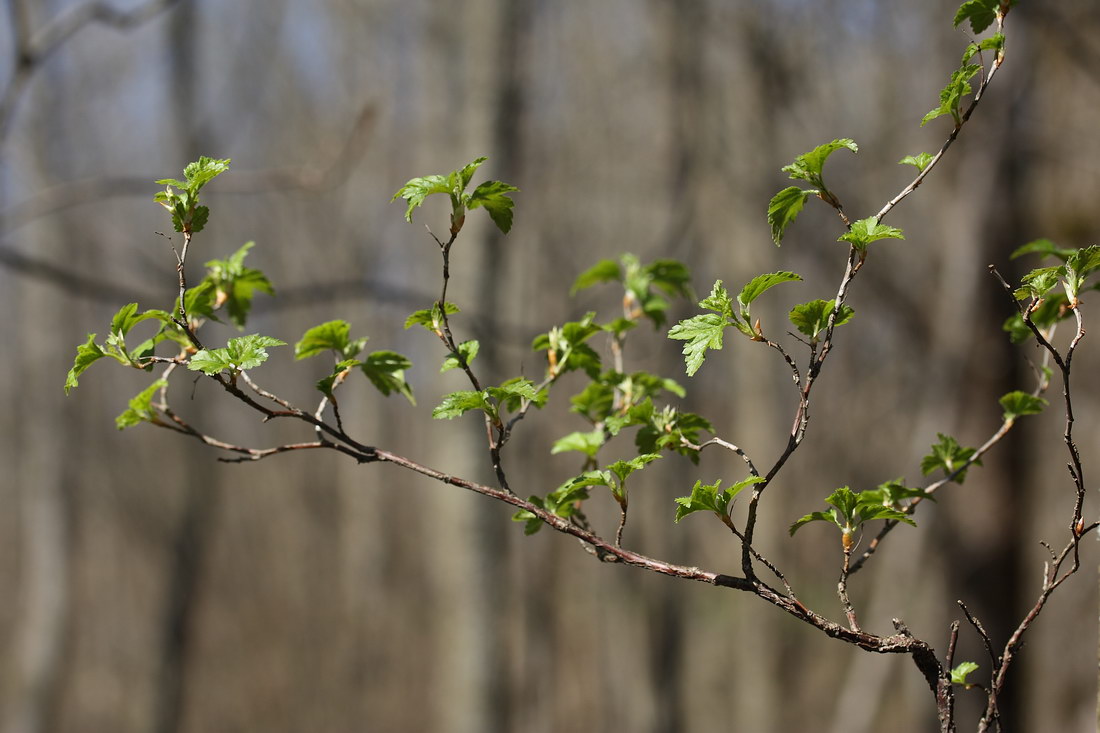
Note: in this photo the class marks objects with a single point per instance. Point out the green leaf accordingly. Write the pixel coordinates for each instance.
(868, 230)
(759, 284)
(587, 443)
(710, 497)
(595, 402)
(1044, 248)
(1037, 283)
(466, 173)
(418, 189)
(701, 333)
(386, 371)
(531, 522)
(240, 354)
(602, 272)
(813, 517)
(332, 335)
(141, 407)
(996, 43)
(1078, 267)
(623, 469)
(784, 207)
(813, 318)
(327, 384)
(961, 672)
(513, 391)
(429, 317)
(866, 512)
(236, 284)
(980, 13)
(892, 493)
(952, 94)
(493, 196)
(808, 166)
(718, 301)
(466, 353)
(210, 362)
(948, 455)
(919, 161)
(670, 276)
(458, 403)
(86, 355)
(1017, 404)
(204, 170)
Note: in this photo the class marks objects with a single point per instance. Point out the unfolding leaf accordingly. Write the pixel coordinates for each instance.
(493, 196)
(386, 371)
(141, 407)
(784, 207)
(919, 161)
(1017, 404)
(868, 230)
(701, 333)
(602, 272)
(809, 166)
(86, 354)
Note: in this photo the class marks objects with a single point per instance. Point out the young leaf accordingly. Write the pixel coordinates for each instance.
(759, 284)
(995, 43)
(327, 384)
(961, 672)
(1042, 247)
(466, 173)
(332, 335)
(670, 276)
(718, 301)
(813, 517)
(919, 161)
(701, 333)
(418, 189)
(386, 371)
(1037, 283)
(428, 316)
(784, 207)
(813, 318)
(458, 403)
(980, 13)
(210, 362)
(513, 391)
(141, 407)
(603, 271)
(467, 350)
(868, 230)
(236, 284)
(86, 355)
(587, 443)
(240, 354)
(623, 469)
(808, 166)
(493, 196)
(710, 497)
(948, 455)
(1017, 404)
(952, 94)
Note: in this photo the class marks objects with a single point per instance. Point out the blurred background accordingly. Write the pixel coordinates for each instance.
(148, 587)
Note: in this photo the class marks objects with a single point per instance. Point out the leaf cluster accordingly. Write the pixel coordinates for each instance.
(188, 216)
(852, 509)
(493, 196)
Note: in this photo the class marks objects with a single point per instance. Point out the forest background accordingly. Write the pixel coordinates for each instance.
(149, 588)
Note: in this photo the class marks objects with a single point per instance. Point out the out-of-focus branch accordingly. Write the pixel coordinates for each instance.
(31, 48)
(304, 178)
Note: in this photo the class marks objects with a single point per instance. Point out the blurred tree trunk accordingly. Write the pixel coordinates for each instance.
(44, 480)
(190, 533)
